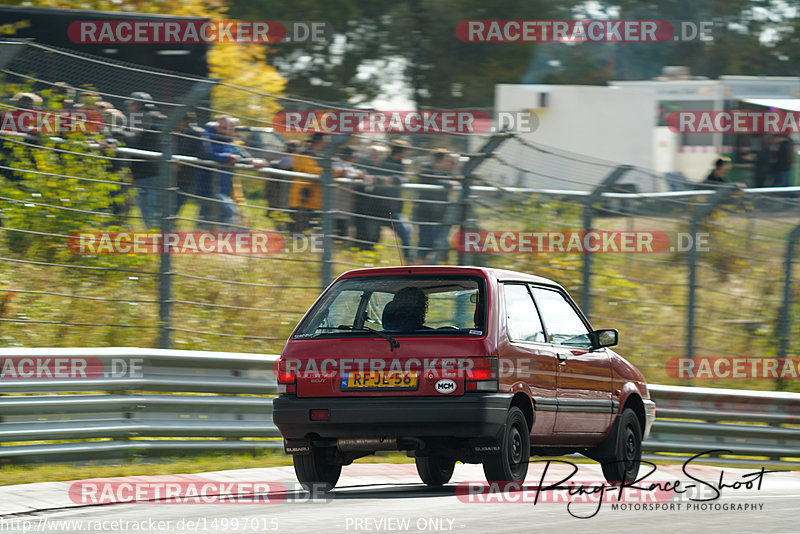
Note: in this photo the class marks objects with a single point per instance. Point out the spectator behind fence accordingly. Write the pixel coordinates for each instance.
(784, 160)
(276, 189)
(389, 184)
(717, 175)
(106, 132)
(27, 101)
(367, 209)
(22, 101)
(143, 122)
(192, 141)
(86, 98)
(763, 164)
(305, 194)
(106, 138)
(218, 184)
(343, 201)
(63, 94)
(433, 174)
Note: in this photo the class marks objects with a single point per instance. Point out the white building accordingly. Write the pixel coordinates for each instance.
(584, 130)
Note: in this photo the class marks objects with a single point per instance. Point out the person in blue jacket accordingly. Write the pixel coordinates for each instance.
(218, 185)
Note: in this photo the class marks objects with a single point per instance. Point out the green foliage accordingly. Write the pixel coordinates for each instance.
(54, 191)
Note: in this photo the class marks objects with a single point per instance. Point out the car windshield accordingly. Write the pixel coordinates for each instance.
(418, 305)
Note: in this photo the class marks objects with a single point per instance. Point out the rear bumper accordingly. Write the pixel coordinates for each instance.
(469, 416)
(649, 417)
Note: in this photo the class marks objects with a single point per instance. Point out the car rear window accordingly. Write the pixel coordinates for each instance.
(418, 305)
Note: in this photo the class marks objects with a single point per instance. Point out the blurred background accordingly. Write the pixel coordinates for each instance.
(188, 143)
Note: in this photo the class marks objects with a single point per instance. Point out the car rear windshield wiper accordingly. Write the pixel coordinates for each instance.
(392, 341)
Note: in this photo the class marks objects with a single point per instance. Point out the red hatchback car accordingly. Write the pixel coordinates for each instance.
(454, 364)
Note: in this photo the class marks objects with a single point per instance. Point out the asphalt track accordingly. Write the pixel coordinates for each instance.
(390, 498)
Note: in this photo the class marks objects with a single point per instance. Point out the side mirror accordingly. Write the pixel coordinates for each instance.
(607, 337)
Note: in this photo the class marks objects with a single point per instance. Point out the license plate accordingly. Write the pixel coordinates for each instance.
(380, 380)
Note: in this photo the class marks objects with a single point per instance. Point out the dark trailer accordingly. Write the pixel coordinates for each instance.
(49, 27)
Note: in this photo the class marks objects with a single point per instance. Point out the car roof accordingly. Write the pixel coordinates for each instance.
(498, 274)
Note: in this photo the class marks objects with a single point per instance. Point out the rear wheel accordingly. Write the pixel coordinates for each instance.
(435, 470)
(318, 471)
(511, 464)
(624, 465)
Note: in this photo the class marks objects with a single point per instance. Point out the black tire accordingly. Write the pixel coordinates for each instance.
(624, 465)
(511, 465)
(318, 471)
(435, 470)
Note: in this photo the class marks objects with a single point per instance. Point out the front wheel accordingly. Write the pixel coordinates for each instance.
(511, 464)
(623, 467)
(435, 470)
(318, 471)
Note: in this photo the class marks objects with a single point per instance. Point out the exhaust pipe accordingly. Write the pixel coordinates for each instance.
(366, 444)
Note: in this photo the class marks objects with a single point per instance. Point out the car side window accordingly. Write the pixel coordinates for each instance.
(564, 325)
(343, 309)
(522, 319)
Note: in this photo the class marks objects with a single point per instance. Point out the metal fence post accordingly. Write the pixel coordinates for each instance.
(168, 184)
(326, 271)
(784, 321)
(462, 213)
(700, 212)
(588, 216)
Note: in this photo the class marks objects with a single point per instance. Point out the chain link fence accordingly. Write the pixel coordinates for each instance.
(723, 283)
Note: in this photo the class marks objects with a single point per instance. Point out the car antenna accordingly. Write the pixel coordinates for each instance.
(397, 246)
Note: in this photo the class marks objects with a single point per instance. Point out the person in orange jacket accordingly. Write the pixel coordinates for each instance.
(305, 194)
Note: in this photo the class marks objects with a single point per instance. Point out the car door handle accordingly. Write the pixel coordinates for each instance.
(562, 358)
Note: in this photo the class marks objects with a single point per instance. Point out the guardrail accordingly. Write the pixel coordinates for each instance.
(107, 405)
(109, 402)
(752, 425)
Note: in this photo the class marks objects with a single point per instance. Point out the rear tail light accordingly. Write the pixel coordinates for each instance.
(287, 379)
(483, 375)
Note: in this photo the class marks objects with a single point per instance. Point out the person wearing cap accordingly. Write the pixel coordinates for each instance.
(305, 194)
(27, 100)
